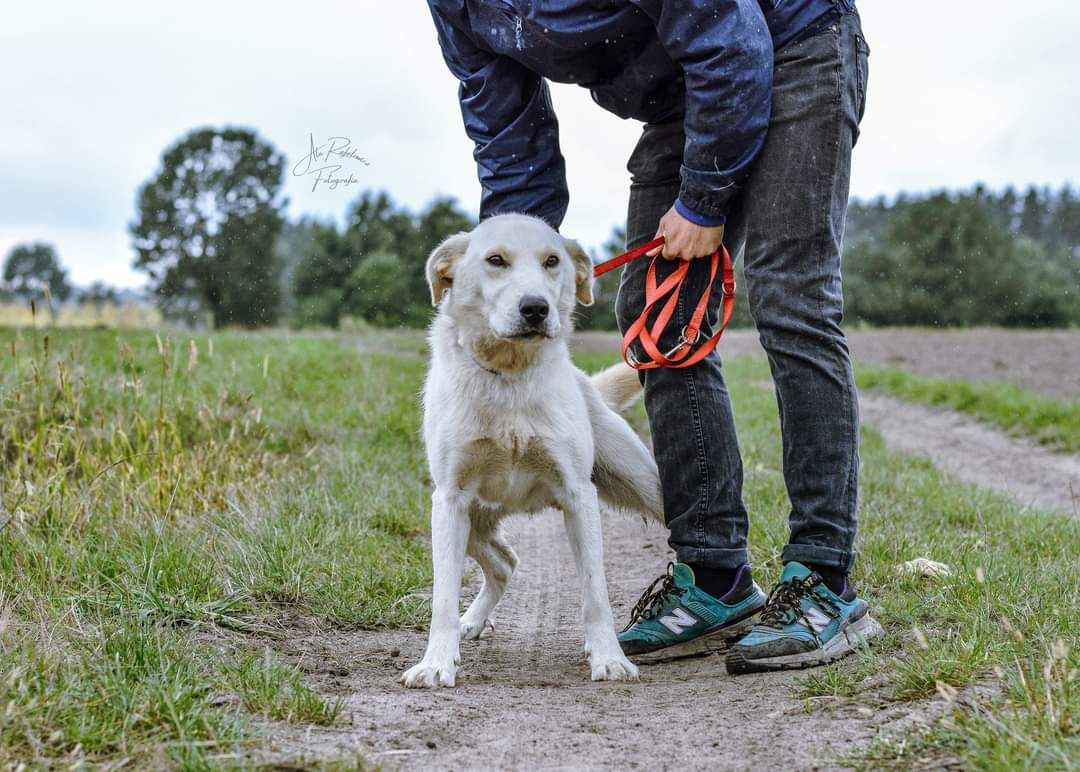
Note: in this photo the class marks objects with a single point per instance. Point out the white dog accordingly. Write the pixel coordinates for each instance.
(512, 426)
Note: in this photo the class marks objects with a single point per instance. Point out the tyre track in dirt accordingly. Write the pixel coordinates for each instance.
(524, 699)
(970, 451)
(973, 452)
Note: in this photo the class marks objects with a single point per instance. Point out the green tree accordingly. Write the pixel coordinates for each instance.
(389, 285)
(321, 278)
(1005, 207)
(323, 282)
(33, 272)
(294, 242)
(1034, 214)
(374, 269)
(949, 261)
(1064, 226)
(441, 218)
(383, 292)
(866, 221)
(207, 224)
(601, 314)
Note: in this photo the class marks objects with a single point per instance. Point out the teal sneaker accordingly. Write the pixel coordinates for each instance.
(804, 624)
(678, 619)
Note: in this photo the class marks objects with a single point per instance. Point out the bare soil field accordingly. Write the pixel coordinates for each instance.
(970, 451)
(1047, 362)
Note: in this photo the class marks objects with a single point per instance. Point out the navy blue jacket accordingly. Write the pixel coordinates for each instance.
(652, 60)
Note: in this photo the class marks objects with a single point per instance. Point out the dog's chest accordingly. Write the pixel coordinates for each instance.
(514, 472)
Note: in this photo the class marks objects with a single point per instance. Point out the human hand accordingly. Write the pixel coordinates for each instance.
(684, 240)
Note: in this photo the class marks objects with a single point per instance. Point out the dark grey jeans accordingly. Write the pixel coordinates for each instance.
(788, 228)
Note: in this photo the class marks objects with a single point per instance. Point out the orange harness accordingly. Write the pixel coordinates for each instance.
(683, 354)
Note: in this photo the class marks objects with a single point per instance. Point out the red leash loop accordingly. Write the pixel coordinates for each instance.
(665, 295)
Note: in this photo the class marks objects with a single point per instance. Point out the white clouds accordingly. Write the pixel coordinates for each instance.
(92, 93)
(962, 92)
(89, 254)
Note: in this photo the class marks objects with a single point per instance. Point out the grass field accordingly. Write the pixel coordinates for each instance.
(154, 489)
(169, 505)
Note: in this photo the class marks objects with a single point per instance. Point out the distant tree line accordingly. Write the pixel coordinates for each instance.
(372, 269)
(942, 259)
(33, 273)
(211, 235)
(970, 258)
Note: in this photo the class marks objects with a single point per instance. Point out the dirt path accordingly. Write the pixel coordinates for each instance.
(973, 452)
(524, 700)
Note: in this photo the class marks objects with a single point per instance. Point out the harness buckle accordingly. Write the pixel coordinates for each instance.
(684, 340)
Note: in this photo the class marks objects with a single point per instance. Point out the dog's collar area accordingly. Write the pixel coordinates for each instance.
(482, 366)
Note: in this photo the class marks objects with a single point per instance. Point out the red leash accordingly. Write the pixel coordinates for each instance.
(683, 354)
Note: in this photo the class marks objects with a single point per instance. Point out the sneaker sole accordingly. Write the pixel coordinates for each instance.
(856, 636)
(714, 642)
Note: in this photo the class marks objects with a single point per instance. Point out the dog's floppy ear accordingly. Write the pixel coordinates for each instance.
(440, 264)
(583, 271)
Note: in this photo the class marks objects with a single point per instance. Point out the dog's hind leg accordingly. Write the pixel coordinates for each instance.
(582, 516)
(498, 561)
(450, 526)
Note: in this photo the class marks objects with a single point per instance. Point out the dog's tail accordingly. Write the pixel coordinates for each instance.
(623, 469)
(619, 386)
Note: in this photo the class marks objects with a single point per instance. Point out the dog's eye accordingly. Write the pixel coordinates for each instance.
(552, 261)
(496, 260)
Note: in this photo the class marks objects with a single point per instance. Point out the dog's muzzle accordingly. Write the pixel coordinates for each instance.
(534, 312)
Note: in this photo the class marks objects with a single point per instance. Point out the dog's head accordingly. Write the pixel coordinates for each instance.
(513, 277)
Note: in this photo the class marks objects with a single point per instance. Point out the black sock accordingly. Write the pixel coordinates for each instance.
(715, 581)
(834, 578)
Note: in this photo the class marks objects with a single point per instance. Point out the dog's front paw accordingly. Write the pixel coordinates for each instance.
(428, 675)
(613, 668)
(472, 630)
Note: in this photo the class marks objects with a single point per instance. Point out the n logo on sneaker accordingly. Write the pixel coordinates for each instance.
(814, 619)
(677, 621)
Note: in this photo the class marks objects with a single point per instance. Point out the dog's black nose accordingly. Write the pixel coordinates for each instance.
(533, 308)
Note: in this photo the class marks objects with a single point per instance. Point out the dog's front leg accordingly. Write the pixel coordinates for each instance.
(606, 659)
(449, 535)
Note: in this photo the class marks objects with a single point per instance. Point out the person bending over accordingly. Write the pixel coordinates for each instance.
(750, 110)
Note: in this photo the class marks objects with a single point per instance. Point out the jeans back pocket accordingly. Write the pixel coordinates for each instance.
(862, 71)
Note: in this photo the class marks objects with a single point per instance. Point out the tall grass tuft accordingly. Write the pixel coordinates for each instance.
(160, 494)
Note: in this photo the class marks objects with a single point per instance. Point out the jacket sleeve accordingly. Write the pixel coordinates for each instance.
(725, 51)
(509, 116)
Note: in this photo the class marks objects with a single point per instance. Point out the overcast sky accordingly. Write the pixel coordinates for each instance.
(91, 93)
